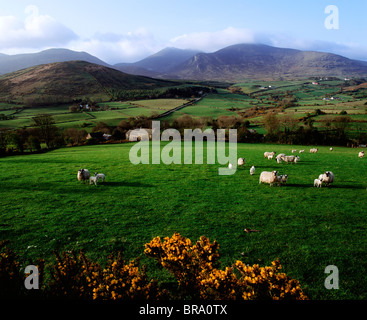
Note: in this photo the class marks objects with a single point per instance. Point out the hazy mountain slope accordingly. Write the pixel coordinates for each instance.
(10, 63)
(158, 64)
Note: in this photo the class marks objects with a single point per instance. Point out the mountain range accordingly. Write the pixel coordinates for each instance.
(233, 63)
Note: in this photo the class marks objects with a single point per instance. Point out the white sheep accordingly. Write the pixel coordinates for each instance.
(230, 166)
(288, 158)
(93, 179)
(252, 170)
(270, 156)
(361, 154)
(83, 175)
(327, 177)
(100, 176)
(266, 154)
(301, 151)
(317, 183)
(241, 161)
(297, 159)
(314, 150)
(268, 177)
(294, 150)
(331, 149)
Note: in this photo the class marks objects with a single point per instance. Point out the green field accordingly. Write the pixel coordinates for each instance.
(265, 95)
(45, 208)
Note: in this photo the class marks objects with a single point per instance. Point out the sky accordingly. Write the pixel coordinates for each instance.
(128, 31)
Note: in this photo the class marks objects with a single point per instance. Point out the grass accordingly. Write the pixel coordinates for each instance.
(44, 207)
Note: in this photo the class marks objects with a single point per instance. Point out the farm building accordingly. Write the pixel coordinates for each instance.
(137, 134)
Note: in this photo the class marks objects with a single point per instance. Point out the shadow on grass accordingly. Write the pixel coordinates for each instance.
(125, 184)
(333, 186)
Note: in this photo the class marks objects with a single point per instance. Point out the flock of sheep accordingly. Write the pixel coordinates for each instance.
(84, 175)
(272, 177)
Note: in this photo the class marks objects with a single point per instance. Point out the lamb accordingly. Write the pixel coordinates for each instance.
(314, 150)
(100, 176)
(252, 170)
(266, 154)
(270, 156)
(361, 154)
(317, 183)
(93, 179)
(268, 177)
(241, 161)
(83, 175)
(297, 159)
(327, 177)
(282, 179)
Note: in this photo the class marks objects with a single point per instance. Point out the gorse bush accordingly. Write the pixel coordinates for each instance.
(195, 267)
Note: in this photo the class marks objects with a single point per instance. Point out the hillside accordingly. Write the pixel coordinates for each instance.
(63, 82)
(250, 61)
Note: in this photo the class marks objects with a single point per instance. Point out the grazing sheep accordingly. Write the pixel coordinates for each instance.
(83, 175)
(294, 151)
(327, 177)
(100, 176)
(241, 161)
(93, 179)
(361, 154)
(266, 154)
(331, 149)
(268, 177)
(230, 166)
(288, 159)
(270, 156)
(297, 159)
(301, 151)
(252, 170)
(314, 150)
(317, 183)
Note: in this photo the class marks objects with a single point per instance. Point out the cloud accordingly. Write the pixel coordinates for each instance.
(212, 41)
(36, 31)
(115, 48)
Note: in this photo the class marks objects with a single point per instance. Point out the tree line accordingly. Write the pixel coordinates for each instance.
(283, 129)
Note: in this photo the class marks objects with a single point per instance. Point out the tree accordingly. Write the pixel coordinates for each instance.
(48, 130)
(271, 123)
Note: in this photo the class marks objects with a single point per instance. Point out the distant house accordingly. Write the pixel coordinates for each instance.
(100, 136)
(138, 134)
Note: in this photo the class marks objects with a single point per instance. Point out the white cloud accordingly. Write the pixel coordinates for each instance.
(36, 31)
(115, 48)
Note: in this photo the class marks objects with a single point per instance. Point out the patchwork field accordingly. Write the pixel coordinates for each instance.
(45, 208)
